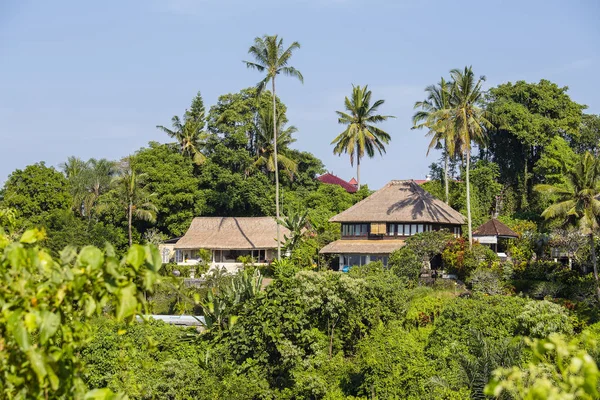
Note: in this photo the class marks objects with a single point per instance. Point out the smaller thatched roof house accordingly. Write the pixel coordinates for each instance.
(228, 238)
(378, 225)
(494, 228)
(490, 234)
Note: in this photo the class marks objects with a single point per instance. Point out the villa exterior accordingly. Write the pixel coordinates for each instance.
(228, 238)
(378, 225)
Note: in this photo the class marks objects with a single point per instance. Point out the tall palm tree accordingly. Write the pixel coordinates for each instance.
(265, 145)
(190, 133)
(579, 201)
(434, 114)
(99, 176)
(270, 57)
(470, 122)
(75, 170)
(361, 133)
(133, 195)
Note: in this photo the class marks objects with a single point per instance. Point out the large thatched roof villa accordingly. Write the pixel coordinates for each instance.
(376, 226)
(228, 238)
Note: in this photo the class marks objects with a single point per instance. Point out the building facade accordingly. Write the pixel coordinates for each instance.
(378, 225)
(229, 238)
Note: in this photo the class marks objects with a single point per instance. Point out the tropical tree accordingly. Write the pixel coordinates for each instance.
(470, 122)
(578, 201)
(189, 132)
(265, 144)
(133, 195)
(270, 57)
(296, 223)
(361, 133)
(434, 114)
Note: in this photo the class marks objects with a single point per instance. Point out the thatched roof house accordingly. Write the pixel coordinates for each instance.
(230, 237)
(378, 225)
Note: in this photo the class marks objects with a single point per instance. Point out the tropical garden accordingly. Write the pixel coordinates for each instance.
(80, 268)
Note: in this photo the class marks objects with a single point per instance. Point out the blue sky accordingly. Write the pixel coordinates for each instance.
(93, 78)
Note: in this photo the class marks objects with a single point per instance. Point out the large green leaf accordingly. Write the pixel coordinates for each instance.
(17, 326)
(37, 363)
(136, 256)
(127, 301)
(32, 236)
(102, 394)
(91, 256)
(48, 326)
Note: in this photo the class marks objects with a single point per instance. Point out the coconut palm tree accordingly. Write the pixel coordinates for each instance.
(265, 146)
(270, 57)
(434, 114)
(361, 133)
(470, 122)
(578, 201)
(189, 133)
(133, 195)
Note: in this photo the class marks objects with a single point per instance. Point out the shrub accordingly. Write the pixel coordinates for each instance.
(486, 281)
(405, 263)
(541, 318)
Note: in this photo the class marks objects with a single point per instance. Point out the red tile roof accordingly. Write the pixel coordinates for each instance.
(334, 180)
(353, 182)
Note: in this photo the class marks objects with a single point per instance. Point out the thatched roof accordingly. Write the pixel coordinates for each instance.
(493, 227)
(401, 201)
(241, 233)
(347, 246)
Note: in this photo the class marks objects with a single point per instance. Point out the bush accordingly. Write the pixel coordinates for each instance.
(405, 263)
(461, 261)
(541, 318)
(486, 281)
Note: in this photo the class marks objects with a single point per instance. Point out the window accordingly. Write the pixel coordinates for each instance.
(420, 228)
(166, 255)
(456, 231)
(391, 229)
(178, 256)
(355, 229)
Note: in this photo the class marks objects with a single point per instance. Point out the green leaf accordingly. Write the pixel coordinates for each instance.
(89, 304)
(48, 326)
(154, 258)
(136, 256)
(91, 256)
(127, 302)
(37, 363)
(32, 236)
(17, 327)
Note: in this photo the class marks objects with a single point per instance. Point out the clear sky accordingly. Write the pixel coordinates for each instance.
(93, 78)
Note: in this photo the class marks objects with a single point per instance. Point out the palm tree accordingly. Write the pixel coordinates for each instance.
(469, 121)
(579, 201)
(133, 194)
(265, 145)
(190, 133)
(99, 175)
(361, 134)
(434, 114)
(75, 170)
(270, 57)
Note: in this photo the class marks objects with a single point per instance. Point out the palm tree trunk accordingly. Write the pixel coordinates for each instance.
(446, 175)
(357, 170)
(276, 169)
(129, 219)
(469, 199)
(595, 264)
